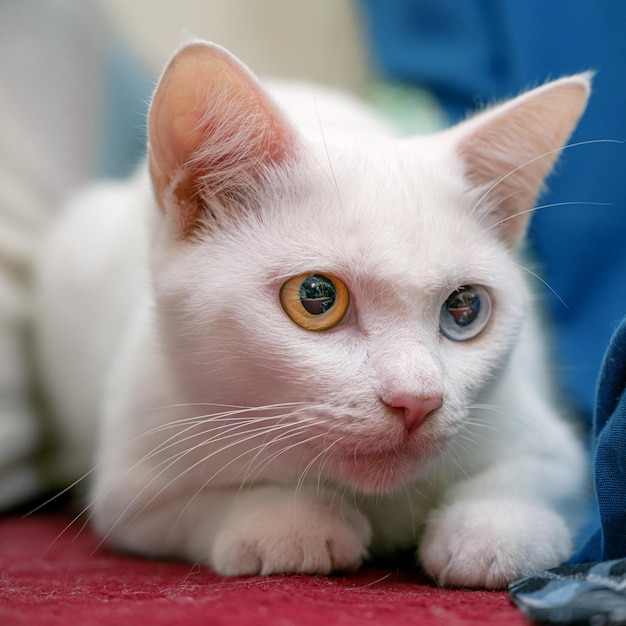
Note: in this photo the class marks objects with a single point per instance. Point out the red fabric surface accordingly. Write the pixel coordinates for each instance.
(52, 574)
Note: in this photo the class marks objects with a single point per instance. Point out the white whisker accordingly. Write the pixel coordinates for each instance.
(500, 180)
(545, 206)
(325, 450)
(545, 283)
(234, 460)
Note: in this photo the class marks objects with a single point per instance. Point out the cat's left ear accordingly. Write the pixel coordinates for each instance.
(213, 134)
(508, 151)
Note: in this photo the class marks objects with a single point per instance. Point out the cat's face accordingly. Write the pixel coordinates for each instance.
(356, 294)
(402, 246)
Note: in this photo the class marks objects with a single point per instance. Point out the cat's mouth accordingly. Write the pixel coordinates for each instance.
(378, 457)
(380, 468)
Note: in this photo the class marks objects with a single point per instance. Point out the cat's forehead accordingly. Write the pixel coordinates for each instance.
(391, 200)
(389, 213)
(394, 183)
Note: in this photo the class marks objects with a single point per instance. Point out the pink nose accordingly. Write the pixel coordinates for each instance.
(414, 410)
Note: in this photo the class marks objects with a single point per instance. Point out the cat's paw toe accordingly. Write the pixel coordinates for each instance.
(312, 537)
(490, 544)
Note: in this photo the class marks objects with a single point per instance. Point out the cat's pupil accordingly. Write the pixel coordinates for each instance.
(464, 306)
(317, 294)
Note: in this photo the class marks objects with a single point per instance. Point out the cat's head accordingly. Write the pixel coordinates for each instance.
(359, 288)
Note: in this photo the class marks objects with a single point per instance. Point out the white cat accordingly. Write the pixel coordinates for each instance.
(306, 340)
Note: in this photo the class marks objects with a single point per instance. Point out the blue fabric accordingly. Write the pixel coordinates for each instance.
(608, 540)
(470, 52)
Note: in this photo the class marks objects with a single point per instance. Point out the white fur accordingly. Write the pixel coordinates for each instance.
(224, 433)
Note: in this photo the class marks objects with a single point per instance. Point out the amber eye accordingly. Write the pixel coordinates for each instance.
(315, 301)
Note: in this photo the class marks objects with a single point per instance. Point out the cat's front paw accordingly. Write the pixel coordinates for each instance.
(286, 533)
(491, 543)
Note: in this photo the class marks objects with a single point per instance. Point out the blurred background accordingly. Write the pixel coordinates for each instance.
(76, 78)
(320, 41)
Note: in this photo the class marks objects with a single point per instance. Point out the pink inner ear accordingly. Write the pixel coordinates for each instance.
(514, 149)
(211, 126)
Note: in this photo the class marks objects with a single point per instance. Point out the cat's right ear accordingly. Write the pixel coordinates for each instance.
(213, 133)
(508, 151)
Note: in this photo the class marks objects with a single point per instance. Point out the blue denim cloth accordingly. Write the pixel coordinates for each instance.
(608, 539)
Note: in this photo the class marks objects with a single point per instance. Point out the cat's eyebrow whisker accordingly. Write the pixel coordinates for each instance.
(331, 176)
(493, 208)
(500, 180)
(546, 206)
(545, 283)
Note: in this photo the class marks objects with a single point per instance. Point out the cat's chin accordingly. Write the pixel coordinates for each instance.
(377, 467)
(381, 472)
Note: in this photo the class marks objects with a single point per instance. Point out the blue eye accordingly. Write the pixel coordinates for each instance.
(465, 313)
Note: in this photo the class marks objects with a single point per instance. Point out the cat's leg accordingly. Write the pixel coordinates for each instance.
(497, 527)
(521, 482)
(490, 543)
(253, 530)
(274, 529)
